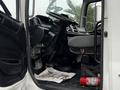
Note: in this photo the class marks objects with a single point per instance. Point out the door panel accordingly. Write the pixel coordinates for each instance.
(12, 50)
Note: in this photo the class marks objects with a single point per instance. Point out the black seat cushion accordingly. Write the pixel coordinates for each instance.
(82, 41)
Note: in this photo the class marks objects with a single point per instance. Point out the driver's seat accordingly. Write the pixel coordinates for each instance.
(87, 43)
(78, 43)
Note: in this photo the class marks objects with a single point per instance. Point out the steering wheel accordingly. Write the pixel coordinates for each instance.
(62, 18)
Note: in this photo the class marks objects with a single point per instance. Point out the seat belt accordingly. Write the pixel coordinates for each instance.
(5, 8)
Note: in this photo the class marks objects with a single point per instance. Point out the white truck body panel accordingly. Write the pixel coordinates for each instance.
(112, 46)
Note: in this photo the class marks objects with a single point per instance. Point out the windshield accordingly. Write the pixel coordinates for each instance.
(71, 8)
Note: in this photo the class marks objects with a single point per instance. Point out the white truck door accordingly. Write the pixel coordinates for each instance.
(112, 45)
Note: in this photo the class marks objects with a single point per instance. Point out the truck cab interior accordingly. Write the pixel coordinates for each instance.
(65, 37)
(60, 41)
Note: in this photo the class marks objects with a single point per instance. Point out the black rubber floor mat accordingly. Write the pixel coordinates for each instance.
(72, 84)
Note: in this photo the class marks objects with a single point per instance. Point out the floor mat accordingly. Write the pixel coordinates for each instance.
(72, 84)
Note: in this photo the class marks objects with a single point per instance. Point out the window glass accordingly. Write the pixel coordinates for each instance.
(11, 5)
(31, 8)
(93, 15)
(70, 7)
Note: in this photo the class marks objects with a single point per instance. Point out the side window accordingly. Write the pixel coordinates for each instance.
(11, 5)
(93, 15)
(31, 8)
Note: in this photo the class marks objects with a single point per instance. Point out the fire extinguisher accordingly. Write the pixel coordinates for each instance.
(89, 81)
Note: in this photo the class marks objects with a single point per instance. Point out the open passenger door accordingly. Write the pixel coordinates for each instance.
(13, 63)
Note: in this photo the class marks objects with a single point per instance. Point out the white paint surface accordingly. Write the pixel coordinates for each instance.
(112, 45)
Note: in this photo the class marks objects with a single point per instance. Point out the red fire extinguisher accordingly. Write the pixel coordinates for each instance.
(89, 81)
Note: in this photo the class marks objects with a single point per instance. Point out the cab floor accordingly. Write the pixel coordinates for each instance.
(72, 84)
